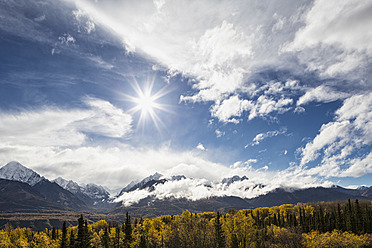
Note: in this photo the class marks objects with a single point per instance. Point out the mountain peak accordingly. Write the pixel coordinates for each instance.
(92, 190)
(15, 171)
(14, 164)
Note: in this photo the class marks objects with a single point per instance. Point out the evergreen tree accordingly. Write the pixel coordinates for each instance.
(54, 234)
(64, 236)
(72, 239)
(220, 239)
(128, 229)
(358, 217)
(83, 237)
(81, 232)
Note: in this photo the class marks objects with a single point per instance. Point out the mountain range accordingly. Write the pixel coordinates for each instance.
(24, 190)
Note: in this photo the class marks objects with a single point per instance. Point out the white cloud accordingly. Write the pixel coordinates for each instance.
(229, 108)
(259, 182)
(83, 21)
(338, 141)
(221, 50)
(219, 133)
(337, 35)
(261, 136)
(201, 147)
(58, 127)
(66, 39)
(345, 23)
(214, 47)
(321, 93)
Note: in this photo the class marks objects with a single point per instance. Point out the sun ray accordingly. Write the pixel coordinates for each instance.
(146, 103)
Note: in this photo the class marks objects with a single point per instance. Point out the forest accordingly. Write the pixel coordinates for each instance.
(323, 224)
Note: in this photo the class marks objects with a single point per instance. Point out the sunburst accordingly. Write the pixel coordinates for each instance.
(146, 102)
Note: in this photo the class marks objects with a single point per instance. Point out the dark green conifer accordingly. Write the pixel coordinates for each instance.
(220, 239)
(64, 236)
(127, 229)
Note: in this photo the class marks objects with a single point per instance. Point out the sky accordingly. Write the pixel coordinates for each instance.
(111, 91)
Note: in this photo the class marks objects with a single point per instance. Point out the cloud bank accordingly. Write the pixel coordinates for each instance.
(224, 46)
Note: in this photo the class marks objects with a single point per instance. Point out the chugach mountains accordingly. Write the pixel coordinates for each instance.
(25, 193)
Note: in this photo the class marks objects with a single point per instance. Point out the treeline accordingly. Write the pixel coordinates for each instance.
(327, 224)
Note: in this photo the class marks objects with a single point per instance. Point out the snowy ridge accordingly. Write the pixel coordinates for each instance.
(17, 172)
(157, 186)
(136, 185)
(68, 185)
(94, 191)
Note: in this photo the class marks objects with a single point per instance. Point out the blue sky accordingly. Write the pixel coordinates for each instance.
(278, 91)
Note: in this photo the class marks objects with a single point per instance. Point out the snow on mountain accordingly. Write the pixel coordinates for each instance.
(68, 185)
(94, 191)
(233, 179)
(137, 185)
(17, 172)
(157, 186)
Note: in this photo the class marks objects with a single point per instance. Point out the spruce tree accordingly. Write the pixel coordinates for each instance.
(64, 236)
(128, 229)
(72, 240)
(54, 235)
(220, 239)
(83, 237)
(81, 232)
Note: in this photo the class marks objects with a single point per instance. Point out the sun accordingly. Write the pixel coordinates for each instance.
(146, 102)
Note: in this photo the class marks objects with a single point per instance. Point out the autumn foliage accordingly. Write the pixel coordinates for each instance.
(329, 224)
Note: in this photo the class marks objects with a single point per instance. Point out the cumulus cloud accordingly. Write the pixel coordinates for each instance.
(229, 108)
(201, 147)
(339, 140)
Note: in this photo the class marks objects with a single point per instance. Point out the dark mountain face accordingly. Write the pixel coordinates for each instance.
(21, 197)
(366, 192)
(281, 196)
(54, 193)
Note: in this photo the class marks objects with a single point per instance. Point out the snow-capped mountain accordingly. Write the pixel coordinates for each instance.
(93, 191)
(138, 185)
(233, 179)
(17, 172)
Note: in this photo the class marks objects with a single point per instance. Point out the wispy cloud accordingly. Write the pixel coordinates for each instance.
(343, 30)
(60, 127)
(321, 93)
(338, 141)
(261, 136)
